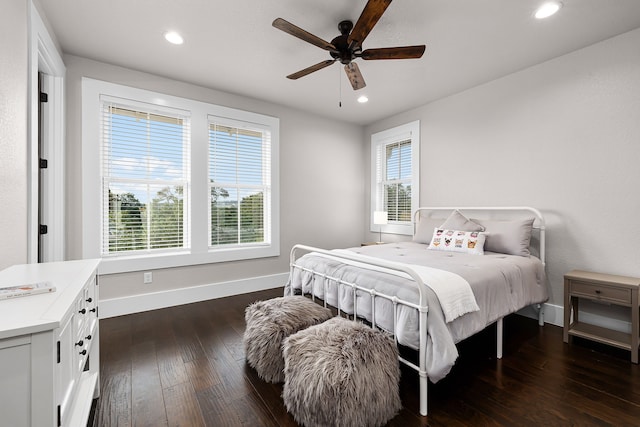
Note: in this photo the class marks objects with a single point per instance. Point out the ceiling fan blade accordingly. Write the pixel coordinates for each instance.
(309, 70)
(355, 77)
(367, 20)
(404, 52)
(298, 32)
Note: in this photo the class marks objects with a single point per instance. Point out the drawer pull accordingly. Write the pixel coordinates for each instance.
(83, 311)
(89, 299)
(80, 343)
(93, 310)
(83, 352)
(88, 337)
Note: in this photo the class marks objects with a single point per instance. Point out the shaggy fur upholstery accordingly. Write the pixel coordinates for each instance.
(341, 373)
(271, 321)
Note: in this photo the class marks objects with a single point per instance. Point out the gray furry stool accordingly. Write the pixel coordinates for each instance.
(269, 323)
(341, 373)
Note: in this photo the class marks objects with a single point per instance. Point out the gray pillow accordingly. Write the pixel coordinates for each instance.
(459, 222)
(424, 229)
(508, 237)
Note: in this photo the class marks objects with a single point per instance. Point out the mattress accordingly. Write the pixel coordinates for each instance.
(501, 284)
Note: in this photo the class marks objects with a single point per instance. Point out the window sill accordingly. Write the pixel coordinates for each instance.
(404, 229)
(113, 265)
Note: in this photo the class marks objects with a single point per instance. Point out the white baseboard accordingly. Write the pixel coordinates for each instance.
(554, 314)
(153, 301)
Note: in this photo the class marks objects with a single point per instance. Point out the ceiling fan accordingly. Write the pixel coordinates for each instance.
(348, 46)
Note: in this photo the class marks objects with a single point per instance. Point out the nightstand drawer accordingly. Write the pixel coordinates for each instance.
(602, 293)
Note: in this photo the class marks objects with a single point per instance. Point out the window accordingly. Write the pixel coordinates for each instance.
(395, 176)
(169, 181)
(145, 176)
(239, 182)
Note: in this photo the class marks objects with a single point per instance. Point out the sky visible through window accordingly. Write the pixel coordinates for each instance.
(145, 150)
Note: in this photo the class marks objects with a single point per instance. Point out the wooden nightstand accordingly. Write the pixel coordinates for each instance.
(607, 288)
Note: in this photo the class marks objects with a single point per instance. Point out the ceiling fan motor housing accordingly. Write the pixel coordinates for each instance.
(343, 53)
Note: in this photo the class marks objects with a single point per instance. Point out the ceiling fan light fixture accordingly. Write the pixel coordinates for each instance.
(173, 37)
(547, 9)
(362, 99)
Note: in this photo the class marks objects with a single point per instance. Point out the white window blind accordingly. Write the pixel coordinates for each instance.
(239, 183)
(145, 171)
(395, 180)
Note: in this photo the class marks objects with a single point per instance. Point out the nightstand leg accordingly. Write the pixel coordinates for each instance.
(567, 312)
(635, 322)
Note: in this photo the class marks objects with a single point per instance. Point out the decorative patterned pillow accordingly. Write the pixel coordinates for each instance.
(470, 242)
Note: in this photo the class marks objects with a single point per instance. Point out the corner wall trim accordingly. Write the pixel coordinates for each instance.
(138, 303)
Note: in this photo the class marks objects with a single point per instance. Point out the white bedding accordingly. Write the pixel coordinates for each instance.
(501, 284)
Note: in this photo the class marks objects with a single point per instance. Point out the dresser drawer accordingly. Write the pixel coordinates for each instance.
(602, 293)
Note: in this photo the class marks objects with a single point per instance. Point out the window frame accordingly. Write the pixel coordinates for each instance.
(265, 185)
(199, 253)
(107, 179)
(409, 131)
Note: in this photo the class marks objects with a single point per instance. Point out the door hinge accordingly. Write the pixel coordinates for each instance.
(58, 352)
(44, 229)
(44, 164)
(44, 97)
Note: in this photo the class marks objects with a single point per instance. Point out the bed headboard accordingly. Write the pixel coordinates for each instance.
(502, 213)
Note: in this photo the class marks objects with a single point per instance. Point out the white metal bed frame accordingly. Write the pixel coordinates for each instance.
(422, 306)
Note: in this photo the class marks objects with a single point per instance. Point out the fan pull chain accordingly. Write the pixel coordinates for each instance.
(339, 87)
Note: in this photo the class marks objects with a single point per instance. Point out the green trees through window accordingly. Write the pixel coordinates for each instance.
(397, 180)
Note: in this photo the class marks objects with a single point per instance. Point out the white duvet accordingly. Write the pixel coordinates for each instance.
(501, 284)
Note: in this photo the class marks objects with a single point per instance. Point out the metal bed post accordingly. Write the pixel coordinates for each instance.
(422, 354)
(499, 332)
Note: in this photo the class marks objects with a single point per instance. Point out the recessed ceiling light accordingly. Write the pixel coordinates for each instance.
(363, 99)
(173, 37)
(548, 9)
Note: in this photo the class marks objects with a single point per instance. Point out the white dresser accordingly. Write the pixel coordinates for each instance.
(49, 346)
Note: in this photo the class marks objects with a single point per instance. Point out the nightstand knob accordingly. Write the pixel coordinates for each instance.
(88, 337)
(83, 352)
(80, 343)
(93, 309)
(83, 311)
(89, 299)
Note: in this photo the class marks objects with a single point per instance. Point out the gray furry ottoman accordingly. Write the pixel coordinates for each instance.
(341, 373)
(268, 323)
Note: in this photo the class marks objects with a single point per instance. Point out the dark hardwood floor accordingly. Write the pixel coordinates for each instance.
(185, 366)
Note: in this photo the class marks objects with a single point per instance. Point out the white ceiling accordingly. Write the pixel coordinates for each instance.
(231, 45)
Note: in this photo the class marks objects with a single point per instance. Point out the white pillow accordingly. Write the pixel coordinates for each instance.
(470, 242)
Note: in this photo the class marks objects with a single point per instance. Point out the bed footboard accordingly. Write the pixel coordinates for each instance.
(421, 307)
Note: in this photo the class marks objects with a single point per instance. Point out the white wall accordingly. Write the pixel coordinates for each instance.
(13, 132)
(321, 181)
(562, 136)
